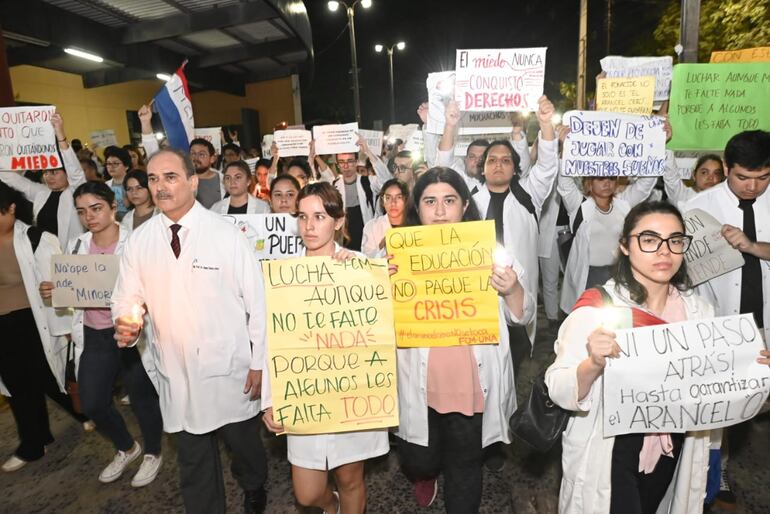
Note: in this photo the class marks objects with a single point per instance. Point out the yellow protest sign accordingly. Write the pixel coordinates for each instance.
(331, 347)
(633, 95)
(441, 293)
(759, 54)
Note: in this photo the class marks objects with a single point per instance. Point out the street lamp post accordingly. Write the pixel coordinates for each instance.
(333, 6)
(379, 48)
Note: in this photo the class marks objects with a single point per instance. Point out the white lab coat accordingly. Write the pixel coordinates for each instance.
(67, 217)
(376, 182)
(520, 232)
(52, 324)
(678, 193)
(586, 454)
(724, 291)
(495, 378)
(329, 451)
(127, 223)
(576, 272)
(254, 206)
(145, 346)
(208, 313)
(374, 232)
(547, 226)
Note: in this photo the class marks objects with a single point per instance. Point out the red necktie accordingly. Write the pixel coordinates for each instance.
(176, 246)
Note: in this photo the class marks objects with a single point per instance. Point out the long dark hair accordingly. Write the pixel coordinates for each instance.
(95, 188)
(436, 175)
(10, 196)
(622, 272)
(332, 202)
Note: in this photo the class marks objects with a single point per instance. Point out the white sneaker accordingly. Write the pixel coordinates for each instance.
(147, 471)
(122, 459)
(13, 464)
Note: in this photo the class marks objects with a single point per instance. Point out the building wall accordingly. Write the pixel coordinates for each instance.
(86, 110)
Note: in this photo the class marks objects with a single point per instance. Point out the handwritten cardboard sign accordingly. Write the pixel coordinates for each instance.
(441, 291)
(659, 67)
(211, 134)
(603, 144)
(710, 103)
(103, 138)
(677, 377)
(499, 79)
(331, 348)
(83, 281)
(632, 95)
(332, 139)
(272, 236)
(292, 143)
(759, 54)
(441, 86)
(373, 139)
(399, 131)
(27, 139)
(709, 255)
(415, 144)
(463, 142)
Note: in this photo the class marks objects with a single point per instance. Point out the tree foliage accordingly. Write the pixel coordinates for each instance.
(724, 25)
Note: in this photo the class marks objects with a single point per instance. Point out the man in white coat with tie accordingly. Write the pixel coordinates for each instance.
(200, 282)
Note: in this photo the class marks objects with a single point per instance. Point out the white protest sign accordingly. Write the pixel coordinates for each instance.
(709, 255)
(267, 142)
(685, 166)
(606, 144)
(27, 139)
(499, 80)
(104, 138)
(252, 164)
(272, 236)
(83, 281)
(485, 122)
(331, 139)
(292, 143)
(415, 144)
(373, 139)
(692, 375)
(296, 127)
(659, 67)
(212, 135)
(402, 132)
(441, 86)
(463, 142)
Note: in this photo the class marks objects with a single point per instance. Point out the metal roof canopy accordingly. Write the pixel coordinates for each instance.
(139, 38)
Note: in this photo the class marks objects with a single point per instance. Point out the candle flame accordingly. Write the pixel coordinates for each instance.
(500, 257)
(136, 313)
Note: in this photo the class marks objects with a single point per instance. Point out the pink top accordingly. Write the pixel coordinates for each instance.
(657, 445)
(99, 319)
(453, 381)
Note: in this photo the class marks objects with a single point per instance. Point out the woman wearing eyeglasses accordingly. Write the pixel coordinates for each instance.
(632, 473)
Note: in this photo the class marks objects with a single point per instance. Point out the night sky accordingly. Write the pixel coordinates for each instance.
(433, 30)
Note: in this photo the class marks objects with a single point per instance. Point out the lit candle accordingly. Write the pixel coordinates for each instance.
(500, 257)
(137, 314)
(259, 190)
(614, 318)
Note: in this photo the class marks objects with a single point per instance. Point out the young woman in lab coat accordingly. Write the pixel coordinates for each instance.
(455, 401)
(33, 347)
(283, 194)
(98, 358)
(321, 216)
(602, 474)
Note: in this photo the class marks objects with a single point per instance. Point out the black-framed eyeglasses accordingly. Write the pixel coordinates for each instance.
(651, 243)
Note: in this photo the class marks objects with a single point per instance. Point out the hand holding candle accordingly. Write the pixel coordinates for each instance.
(127, 328)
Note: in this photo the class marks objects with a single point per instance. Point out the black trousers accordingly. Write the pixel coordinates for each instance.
(25, 372)
(454, 447)
(200, 466)
(634, 492)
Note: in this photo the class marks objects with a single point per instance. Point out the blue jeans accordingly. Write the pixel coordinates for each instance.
(101, 363)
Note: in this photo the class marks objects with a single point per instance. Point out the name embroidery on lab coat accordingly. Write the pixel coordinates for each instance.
(195, 265)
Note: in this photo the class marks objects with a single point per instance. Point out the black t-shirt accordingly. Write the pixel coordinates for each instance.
(495, 212)
(355, 228)
(47, 218)
(238, 210)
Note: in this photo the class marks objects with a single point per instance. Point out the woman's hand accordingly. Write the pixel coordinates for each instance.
(392, 268)
(46, 290)
(602, 344)
(270, 423)
(504, 279)
(764, 357)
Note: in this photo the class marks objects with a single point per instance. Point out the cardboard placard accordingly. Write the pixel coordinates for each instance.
(659, 67)
(373, 139)
(211, 134)
(334, 139)
(27, 139)
(272, 236)
(632, 95)
(759, 54)
(709, 255)
(83, 281)
(331, 347)
(103, 138)
(604, 144)
(292, 143)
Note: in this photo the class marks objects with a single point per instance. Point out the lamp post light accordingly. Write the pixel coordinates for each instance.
(379, 48)
(333, 6)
